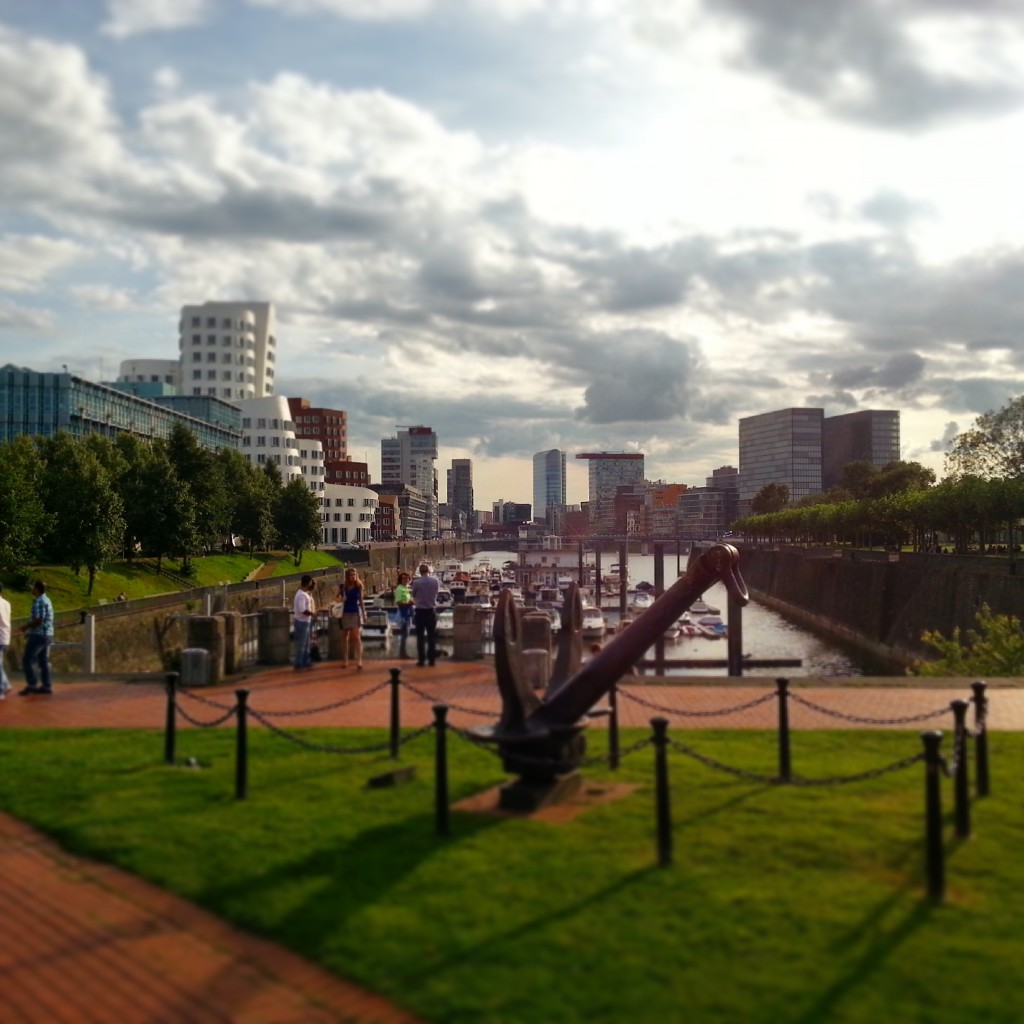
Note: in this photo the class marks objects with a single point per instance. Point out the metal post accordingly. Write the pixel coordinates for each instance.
(659, 589)
(579, 565)
(598, 588)
(170, 726)
(934, 853)
(623, 577)
(396, 723)
(441, 769)
(961, 782)
(734, 638)
(663, 809)
(613, 727)
(981, 737)
(89, 644)
(242, 746)
(785, 763)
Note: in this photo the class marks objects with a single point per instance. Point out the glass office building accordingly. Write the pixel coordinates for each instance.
(872, 435)
(548, 482)
(781, 447)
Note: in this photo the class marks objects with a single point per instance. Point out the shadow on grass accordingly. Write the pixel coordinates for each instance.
(725, 805)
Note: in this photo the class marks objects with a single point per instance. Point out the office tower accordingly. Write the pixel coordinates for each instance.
(706, 513)
(782, 447)
(408, 459)
(609, 471)
(510, 512)
(548, 481)
(460, 495)
(872, 435)
(228, 349)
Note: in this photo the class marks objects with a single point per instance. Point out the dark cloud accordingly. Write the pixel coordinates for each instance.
(942, 444)
(896, 372)
(895, 210)
(859, 61)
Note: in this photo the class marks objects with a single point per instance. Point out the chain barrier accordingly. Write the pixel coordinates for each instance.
(326, 748)
(206, 725)
(202, 700)
(979, 728)
(454, 707)
(864, 719)
(950, 765)
(697, 714)
(328, 707)
(547, 762)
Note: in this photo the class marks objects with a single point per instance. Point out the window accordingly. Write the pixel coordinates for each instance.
(351, 502)
(227, 322)
(211, 374)
(197, 374)
(197, 339)
(196, 321)
(211, 339)
(261, 441)
(197, 391)
(262, 422)
(246, 421)
(211, 357)
(226, 341)
(226, 392)
(225, 375)
(197, 357)
(211, 321)
(275, 442)
(246, 441)
(348, 517)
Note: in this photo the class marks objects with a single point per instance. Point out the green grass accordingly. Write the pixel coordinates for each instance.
(783, 905)
(68, 591)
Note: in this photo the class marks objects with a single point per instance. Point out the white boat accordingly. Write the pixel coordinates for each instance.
(593, 625)
(701, 607)
(446, 622)
(552, 611)
(712, 626)
(642, 600)
(376, 626)
(687, 627)
(444, 597)
(447, 569)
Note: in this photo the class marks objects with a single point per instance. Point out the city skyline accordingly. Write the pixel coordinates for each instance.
(532, 225)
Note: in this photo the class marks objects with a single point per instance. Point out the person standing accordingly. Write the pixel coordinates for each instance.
(5, 639)
(353, 616)
(403, 602)
(424, 615)
(303, 617)
(39, 633)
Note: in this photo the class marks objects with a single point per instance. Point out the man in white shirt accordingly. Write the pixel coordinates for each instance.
(303, 617)
(5, 639)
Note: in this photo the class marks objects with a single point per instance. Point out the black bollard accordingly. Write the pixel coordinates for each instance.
(396, 718)
(663, 808)
(242, 746)
(961, 783)
(441, 769)
(171, 722)
(785, 762)
(981, 737)
(934, 854)
(613, 727)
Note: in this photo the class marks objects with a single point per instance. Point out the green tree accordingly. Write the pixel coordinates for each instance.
(993, 447)
(22, 519)
(255, 513)
(771, 498)
(198, 470)
(898, 478)
(995, 648)
(167, 520)
(857, 477)
(297, 518)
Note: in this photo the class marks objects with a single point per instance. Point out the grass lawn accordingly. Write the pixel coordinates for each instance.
(783, 905)
(68, 591)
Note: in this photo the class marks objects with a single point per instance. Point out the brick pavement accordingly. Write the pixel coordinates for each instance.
(82, 942)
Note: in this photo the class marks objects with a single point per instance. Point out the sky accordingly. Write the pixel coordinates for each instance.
(596, 225)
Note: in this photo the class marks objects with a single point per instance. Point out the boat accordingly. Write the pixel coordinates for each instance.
(446, 622)
(376, 625)
(642, 600)
(673, 632)
(712, 626)
(593, 625)
(701, 607)
(447, 569)
(687, 627)
(552, 611)
(445, 599)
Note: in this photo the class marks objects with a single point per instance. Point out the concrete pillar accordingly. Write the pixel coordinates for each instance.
(536, 631)
(334, 639)
(232, 641)
(207, 632)
(89, 644)
(275, 642)
(536, 667)
(467, 641)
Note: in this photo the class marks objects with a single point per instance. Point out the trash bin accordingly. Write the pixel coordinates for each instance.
(195, 667)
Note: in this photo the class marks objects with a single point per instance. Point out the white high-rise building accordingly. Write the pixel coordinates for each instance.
(268, 435)
(228, 350)
(347, 514)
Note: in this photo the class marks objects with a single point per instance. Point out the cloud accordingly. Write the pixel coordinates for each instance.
(26, 261)
(24, 318)
(133, 17)
(893, 209)
(949, 435)
(356, 10)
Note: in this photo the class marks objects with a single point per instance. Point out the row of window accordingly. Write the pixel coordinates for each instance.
(226, 341)
(349, 502)
(225, 375)
(262, 422)
(225, 392)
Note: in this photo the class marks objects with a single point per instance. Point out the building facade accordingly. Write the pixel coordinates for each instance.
(460, 496)
(510, 512)
(228, 349)
(707, 513)
(548, 482)
(268, 435)
(408, 459)
(872, 435)
(328, 426)
(608, 471)
(781, 447)
(348, 514)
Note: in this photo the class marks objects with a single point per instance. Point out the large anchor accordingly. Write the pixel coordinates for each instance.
(541, 739)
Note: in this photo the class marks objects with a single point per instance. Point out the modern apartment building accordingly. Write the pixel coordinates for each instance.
(781, 447)
(460, 496)
(510, 512)
(268, 435)
(348, 514)
(328, 426)
(706, 513)
(608, 471)
(548, 482)
(872, 435)
(228, 349)
(409, 459)
(40, 404)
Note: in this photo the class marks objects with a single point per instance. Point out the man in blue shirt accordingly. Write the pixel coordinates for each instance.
(39, 636)
(424, 615)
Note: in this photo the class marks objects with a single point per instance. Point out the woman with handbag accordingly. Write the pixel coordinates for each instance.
(353, 615)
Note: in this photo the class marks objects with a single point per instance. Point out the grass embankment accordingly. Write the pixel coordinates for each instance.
(784, 904)
(135, 580)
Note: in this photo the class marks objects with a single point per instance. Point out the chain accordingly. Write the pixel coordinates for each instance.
(205, 725)
(698, 714)
(981, 724)
(455, 707)
(863, 719)
(710, 762)
(547, 762)
(202, 700)
(609, 757)
(329, 707)
(328, 748)
(872, 773)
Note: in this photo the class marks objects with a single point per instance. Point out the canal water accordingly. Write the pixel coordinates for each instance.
(766, 634)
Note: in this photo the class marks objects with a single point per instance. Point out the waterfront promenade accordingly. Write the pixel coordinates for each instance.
(84, 942)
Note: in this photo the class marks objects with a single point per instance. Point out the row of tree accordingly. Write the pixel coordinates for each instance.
(85, 502)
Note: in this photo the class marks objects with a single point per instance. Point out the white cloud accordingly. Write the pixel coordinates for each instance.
(101, 296)
(26, 261)
(133, 17)
(357, 10)
(23, 318)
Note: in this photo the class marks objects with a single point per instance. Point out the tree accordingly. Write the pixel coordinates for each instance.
(21, 507)
(898, 478)
(995, 648)
(297, 518)
(197, 469)
(993, 448)
(168, 524)
(771, 498)
(857, 477)
(255, 513)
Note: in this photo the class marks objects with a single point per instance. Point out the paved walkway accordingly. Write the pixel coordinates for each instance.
(84, 943)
